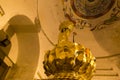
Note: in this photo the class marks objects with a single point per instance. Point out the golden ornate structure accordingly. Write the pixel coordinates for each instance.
(68, 60)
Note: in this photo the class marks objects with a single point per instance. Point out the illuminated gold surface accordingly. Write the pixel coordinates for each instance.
(68, 60)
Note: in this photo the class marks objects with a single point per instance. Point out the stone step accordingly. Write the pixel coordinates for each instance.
(105, 78)
(105, 72)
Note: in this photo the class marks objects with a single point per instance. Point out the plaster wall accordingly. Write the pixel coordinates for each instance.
(17, 7)
(51, 15)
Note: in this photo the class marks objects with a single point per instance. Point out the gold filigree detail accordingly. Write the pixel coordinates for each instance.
(69, 60)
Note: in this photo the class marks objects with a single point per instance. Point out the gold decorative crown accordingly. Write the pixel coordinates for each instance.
(68, 60)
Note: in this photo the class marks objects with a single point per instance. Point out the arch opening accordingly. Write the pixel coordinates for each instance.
(25, 47)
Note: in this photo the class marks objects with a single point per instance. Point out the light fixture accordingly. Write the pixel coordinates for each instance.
(68, 60)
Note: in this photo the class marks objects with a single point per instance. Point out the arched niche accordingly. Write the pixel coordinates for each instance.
(25, 47)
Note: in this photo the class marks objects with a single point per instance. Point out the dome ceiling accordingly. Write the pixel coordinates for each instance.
(91, 8)
(95, 14)
(100, 16)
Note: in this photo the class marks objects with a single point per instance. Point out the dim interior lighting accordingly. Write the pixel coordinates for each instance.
(68, 60)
